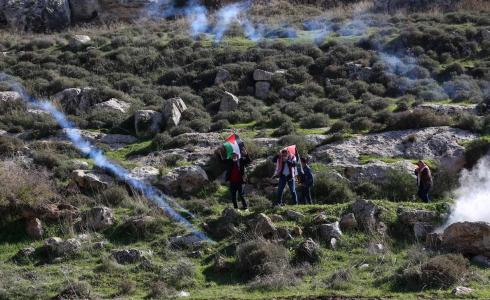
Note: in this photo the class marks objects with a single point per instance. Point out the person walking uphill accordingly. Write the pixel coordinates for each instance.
(235, 175)
(424, 181)
(286, 171)
(306, 182)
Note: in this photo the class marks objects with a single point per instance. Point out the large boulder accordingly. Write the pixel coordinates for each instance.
(222, 76)
(114, 105)
(50, 212)
(145, 173)
(76, 101)
(229, 102)
(411, 216)
(90, 181)
(97, 218)
(263, 226)
(79, 41)
(261, 75)
(147, 122)
(262, 89)
(308, 251)
(34, 228)
(172, 111)
(348, 222)
(84, 10)
(10, 99)
(468, 238)
(327, 232)
(366, 214)
(189, 241)
(130, 256)
(36, 15)
(184, 181)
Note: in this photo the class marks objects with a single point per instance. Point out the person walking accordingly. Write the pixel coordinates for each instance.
(235, 175)
(424, 181)
(286, 171)
(306, 182)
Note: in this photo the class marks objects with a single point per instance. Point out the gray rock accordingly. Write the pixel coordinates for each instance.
(116, 141)
(468, 238)
(24, 255)
(411, 216)
(326, 232)
(262, 89)
(284, 234)
(184, 180)
(84, 10)
(130, 256)
(289, 92)
(359, 72)
(34, 228)
(172, 111)
(263, 226)
(448, 109)
(79, 41)
(90, 181)
(229, 102)
(461, 291)
(222, 76)
(147, 122)
(190, 241)
(366, 214)
(97, 218)
(321, 218)
(36, 15)
(292, 215)
(114, 105)
(261, 75)
(10, 99)
(481, 260)
(57, 247)
(146, 173)
(348, 222)
(76, 101)
(308, 251)
(422, 229)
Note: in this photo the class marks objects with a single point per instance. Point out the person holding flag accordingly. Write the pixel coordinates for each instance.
(237, 159)
(286, 170)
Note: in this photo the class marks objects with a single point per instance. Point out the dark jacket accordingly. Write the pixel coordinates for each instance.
(307, 176)
(242, 162)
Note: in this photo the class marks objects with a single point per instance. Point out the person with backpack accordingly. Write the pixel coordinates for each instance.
(235, 175)
(424, 181)
(286, 171)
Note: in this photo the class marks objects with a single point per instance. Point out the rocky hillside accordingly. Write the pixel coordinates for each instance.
(365, 95)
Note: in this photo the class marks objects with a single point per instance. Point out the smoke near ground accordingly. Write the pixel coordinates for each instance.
(473, 196)
(101, 160)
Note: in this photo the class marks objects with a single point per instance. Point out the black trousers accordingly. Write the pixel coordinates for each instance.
(306, 195)
(237, 189)
(423, 193)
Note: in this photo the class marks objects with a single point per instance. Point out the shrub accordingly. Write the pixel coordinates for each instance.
(470, 122)
(329, 190)
(180, 275)
(368, 190)
(161, 141)
(417, 119)
(75, 290)
(114, 196)
(127, 287)
(160, 290)
(261, 257)
(340, 279)
(476, 150)
(314, 121)
(274, 282)
(339, 126)
(10, 145)
(285, 129)
(399, 185)
(361, 124)
(48, 159)
(442, 271)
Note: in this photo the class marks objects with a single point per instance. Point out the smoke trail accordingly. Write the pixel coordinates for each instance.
(473, 195)
(198, 17)
(98, 157)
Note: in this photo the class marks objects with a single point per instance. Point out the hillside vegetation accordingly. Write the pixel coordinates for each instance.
(364, 94)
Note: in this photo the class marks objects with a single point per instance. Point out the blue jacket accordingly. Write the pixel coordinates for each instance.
(307, 176)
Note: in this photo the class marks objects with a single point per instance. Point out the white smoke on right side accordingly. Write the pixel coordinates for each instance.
(473, 196)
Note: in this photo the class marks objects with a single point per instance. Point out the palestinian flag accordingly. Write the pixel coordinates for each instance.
(233, 144)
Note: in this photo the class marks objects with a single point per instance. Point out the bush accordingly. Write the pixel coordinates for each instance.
(274, 282)
(286, 128)
(476, 150)
(339, 126)
(10, 145)
(114, 196)
(417, 119)
(329, 190)
(48, 159)
(314, 121)
(180, 275)
(127, 287)
(361, 124)
(399, 185)
(261, 257)
(442, 271)
(340, 280)
(470, 122)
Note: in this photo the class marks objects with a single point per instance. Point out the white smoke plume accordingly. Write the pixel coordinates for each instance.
(101, 160)
(473, 195)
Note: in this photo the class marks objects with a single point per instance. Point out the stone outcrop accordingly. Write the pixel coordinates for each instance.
(86, 180)
(468, 238)
(147, 122)
(348, 222)
(130, 256)
(172, 111)
(327, 232)
(262, 89)
(79, 41)
(366, 214)
(184, 180)
(76, 101)
(10, 99)
(229, 102)
(114, 105)
(263, 226)
(448, 109)
(113, 141)
(308, 251)
(97, 218)
(222, 76)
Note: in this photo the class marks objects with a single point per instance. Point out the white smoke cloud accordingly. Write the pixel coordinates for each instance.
(473, 195)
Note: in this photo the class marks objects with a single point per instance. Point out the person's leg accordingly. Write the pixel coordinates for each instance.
(233, 192)
(423, 194)
(292, 189)
(308, 199)
(302, 195)
(241, 194)
(280, 190)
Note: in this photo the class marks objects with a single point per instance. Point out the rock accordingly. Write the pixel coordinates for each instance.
(328, 231)
(147, 122)
(359, 72)
(461, 290)
(333, 243)
(453, 110)
(422, 229)
(138, 225)
(79, 41)
(308, 251)
(276, 218)
(97, 218)
(76, 101)
(68, 247)
(229, 102)
(116, 141)
(38, 16)
(190, 241)
(184, 180)
(481, 260)
(320, 219)
(262, 89)
(183, 294)
(230, 216)
(348, 222)
(261, 75)
(363, 266)
(221, 76)
(90, 181)
(284, 234)
(366, 214)
(84, 10)
(468, 238)
(264, 227)
(80, 164)
(50, 212)
(100, 245)
(114, 105)
(145, 173)
(172, 111)
(376, 248)
(375, 171)
(411, 216)
(34, 228)
(292, 215)
(129, 256)
(24, 255)
(10, 99)
(433, 240)
(297, 231)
